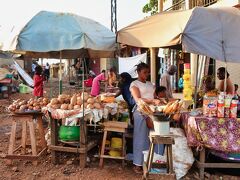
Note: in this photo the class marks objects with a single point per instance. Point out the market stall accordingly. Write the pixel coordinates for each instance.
(68, 36)
(215, 37)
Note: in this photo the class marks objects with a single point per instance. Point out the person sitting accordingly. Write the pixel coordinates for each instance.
(221, 76)
(207, 88)
(236, 96)
(161, 92)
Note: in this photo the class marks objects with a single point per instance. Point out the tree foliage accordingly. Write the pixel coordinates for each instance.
(151, 7)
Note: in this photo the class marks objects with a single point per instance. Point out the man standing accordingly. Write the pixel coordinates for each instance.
(166, 81)
(33, 68)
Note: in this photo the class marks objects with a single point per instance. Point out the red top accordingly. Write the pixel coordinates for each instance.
(38, 85)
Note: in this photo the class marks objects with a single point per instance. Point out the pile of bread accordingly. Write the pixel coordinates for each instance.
(21, 105)
(76, 101)
(172, 108)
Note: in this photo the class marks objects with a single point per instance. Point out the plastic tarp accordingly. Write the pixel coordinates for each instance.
(128, 64)
(47, 33)
(23, 74)
(204, 31)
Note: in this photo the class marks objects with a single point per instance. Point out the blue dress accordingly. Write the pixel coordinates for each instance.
(141, 140)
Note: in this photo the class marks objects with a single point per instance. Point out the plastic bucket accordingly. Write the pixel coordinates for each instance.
(23, 88)
(116, 142)
(161, 124)
(69, 133)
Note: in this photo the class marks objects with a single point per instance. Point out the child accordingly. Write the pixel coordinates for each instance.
(161, 92)
(38, 82)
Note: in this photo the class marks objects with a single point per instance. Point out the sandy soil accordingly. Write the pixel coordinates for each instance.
(68, 167)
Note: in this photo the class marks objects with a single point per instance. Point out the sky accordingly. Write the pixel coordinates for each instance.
(18, 12)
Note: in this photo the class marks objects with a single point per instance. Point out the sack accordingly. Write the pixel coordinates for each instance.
(149, 123)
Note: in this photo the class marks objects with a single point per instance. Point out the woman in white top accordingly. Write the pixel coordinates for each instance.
(141, 89)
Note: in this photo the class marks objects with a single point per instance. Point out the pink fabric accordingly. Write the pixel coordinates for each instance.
(221, 134)
(96, 84)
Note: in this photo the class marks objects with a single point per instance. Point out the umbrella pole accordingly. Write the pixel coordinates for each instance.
(196, 85)
(83, 109)
(60, 74)
(225, 60)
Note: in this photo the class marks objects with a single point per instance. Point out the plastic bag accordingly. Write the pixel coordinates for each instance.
(182, 154)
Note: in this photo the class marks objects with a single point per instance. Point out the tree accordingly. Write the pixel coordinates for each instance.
(151, 7)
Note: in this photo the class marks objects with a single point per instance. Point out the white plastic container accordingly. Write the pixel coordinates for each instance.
(161, 124)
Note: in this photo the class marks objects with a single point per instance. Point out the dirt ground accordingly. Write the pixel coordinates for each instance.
(69, 163)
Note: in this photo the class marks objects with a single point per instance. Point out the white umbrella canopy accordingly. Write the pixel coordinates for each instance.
(213, 32)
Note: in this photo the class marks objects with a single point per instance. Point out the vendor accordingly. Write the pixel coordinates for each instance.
(96, 83)
(112, 78)
(141, 89)
(207, 88)
(125, 81)
(221, 76)
(166, 80)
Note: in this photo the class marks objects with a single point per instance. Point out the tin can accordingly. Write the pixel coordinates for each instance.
(220, 112)
(233, 109)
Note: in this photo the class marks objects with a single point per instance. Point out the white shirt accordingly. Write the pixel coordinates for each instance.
(47, 67)
(146, 89)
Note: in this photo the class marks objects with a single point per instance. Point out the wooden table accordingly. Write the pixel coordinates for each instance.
(84, 143)
(37, 149)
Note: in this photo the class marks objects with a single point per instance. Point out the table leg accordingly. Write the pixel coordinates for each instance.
(150, 157)
(33, 139)
(83, 143)
(54, 139)
(170, 161)
(103, 149)
(202, 161)
(41, 132)
(123, 148)
(24, 136)
(12, 140)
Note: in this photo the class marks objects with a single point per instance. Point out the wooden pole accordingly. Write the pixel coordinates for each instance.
(60, 74)
(160, 6)
(153, 64)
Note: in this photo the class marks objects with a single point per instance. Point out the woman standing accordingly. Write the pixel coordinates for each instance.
(96, 83)
(141, 89)
(38, 82)
(124, 85)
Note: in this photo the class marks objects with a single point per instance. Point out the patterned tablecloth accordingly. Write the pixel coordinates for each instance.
(220, 134)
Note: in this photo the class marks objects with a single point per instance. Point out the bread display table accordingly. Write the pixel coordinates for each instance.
(27, 119)
(81, 147)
